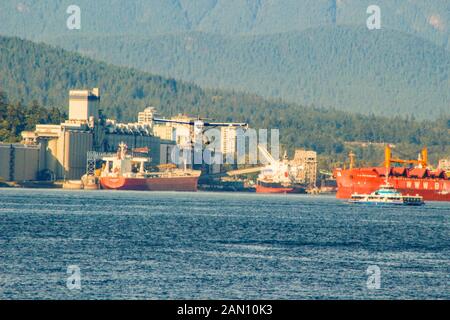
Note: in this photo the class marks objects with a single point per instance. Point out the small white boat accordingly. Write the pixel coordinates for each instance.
(387, 195)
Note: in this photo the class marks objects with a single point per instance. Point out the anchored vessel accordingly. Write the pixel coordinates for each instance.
(432, 185)
(387, 194)
(269, 183)
(125, 172)
(278, 176)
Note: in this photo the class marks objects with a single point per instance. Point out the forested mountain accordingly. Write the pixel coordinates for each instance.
(308, 52)
(37, 72)
(383, 72)
(42, 19)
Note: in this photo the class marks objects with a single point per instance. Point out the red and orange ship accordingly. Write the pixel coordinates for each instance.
(415, 179)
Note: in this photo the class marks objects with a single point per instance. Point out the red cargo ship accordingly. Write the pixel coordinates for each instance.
(267, 187)
(151, 183)
(432, 185)
(125, 172)
(278, 176)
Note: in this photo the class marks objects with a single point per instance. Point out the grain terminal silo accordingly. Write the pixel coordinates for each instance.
(64, 148)
(19, 162)
(72, 152)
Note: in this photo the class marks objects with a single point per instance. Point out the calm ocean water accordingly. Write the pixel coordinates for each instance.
(133, 245)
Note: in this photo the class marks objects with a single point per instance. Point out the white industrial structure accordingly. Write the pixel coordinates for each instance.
(146, 117)
(228, 142)
(84, 105)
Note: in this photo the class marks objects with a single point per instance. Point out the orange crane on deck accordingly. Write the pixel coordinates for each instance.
(422, 161)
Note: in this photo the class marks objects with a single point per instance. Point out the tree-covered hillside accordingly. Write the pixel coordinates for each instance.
(16, 117)
(38, 72)
(383, 72)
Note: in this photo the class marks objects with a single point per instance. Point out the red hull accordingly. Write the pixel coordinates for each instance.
(278, 189)
(367, 180)
(150, 184)
(261, 189)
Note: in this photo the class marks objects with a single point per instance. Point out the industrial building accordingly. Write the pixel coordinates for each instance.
(228, 141)
(146, 117)
(59, 151)
(307, 161)
(165, 132)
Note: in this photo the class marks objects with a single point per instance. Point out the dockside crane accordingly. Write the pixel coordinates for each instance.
(200, 126)
(266, 154)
